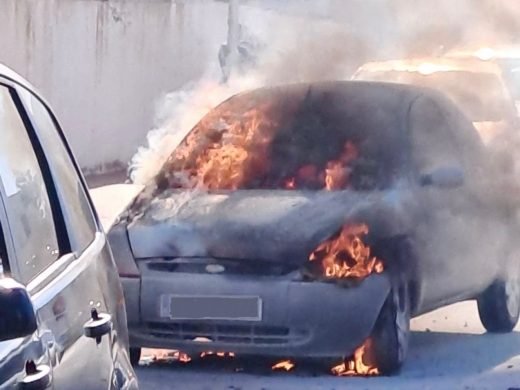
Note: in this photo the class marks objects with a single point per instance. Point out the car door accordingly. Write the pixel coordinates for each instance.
(58, 252)
(16, 354)
(89, 245)
(453, 267)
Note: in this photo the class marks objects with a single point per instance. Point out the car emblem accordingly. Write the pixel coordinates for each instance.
(215, 268)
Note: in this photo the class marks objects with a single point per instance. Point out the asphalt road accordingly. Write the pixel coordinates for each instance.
(449, 350)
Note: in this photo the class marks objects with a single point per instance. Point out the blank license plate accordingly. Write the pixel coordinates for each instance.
(182, 307)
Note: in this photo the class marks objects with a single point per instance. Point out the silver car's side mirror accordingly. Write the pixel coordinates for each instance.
(444, 177)
(17, 317)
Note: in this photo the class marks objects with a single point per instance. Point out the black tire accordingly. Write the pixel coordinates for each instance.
(391, 332)
(499, 305)
(135, 356)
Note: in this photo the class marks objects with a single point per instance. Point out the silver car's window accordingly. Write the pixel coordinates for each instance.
(75, 205)
(28, 208)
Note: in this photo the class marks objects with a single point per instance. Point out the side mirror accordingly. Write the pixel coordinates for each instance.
(444, 177)
(17, 317)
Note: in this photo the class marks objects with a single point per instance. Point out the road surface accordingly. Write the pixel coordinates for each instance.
(449, 350)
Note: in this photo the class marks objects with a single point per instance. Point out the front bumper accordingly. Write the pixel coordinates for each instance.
(310, 319)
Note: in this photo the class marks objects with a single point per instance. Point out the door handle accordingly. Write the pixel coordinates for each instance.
(36, 377)
(99, 325)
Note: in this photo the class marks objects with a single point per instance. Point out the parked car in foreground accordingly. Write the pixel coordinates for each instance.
(315, 220)
(62, 312)
(476, 87)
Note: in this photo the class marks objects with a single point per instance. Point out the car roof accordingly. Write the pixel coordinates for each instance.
(486, 53)
(429, 65)
(8, 73)
(357, 96)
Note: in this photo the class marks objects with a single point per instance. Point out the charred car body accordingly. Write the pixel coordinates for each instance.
(304, 220)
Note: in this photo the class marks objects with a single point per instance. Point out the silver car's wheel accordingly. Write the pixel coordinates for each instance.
(392, 331)
(499, 305)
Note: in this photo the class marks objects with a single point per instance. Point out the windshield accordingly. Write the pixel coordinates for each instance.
(281, 141)
(479, 95)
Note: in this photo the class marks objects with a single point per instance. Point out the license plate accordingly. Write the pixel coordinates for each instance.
(182, 307)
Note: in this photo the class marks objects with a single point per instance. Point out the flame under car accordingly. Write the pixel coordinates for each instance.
(314, 220)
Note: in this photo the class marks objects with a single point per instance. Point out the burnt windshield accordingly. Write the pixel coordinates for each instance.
(274, 140)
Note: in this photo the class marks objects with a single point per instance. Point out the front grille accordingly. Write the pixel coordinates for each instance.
(198, 333)
(230, 266)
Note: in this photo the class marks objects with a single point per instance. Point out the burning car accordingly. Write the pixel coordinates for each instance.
(315, 220)
(477, 87)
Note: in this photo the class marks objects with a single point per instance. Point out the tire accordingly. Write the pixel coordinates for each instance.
(499, 305)
(135, 356)
(391, 332)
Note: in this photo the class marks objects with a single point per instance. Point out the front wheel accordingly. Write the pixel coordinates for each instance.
(391, 332)
(499, 305)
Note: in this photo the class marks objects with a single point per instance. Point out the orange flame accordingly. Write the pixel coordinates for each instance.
(346, 256)
(284, 365)
(183, 357)
(225, 151)
(170, 355)
(232, 148)
(335, 176)
(357, 365)
(218, 354)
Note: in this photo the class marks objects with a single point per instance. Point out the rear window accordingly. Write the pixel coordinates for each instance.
(296, 141)
(480, 96)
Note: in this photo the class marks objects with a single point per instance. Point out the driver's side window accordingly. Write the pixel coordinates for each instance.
(30, 217)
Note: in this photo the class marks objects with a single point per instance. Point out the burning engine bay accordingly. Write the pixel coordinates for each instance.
(319, 204)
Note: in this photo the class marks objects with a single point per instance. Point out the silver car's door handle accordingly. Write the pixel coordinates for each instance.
(36, 377)
(99, 325)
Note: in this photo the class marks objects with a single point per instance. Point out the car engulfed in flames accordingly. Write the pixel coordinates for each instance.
(282, 226)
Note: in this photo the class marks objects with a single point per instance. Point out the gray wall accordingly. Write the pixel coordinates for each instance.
(104, 64)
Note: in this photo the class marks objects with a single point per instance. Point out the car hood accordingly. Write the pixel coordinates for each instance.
(248, 224)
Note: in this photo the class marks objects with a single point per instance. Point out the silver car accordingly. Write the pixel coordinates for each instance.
(62, 311)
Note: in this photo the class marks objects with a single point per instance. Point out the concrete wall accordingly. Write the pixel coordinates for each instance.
(103, 64)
